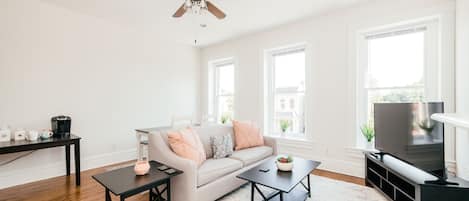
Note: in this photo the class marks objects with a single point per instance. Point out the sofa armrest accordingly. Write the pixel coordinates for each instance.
(271, 142)
(160, 151)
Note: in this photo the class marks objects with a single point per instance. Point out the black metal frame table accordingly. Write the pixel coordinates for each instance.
(24, 145)
(284, 183)
(124, 183)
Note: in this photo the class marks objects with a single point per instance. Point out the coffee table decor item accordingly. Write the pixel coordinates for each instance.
(141, 167)
(285, 184)
(284, 163)
(124, 183)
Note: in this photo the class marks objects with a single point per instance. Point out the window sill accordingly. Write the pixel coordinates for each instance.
(364, 149)
(290, 138)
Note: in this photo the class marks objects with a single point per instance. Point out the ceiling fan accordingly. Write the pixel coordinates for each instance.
(197, 6)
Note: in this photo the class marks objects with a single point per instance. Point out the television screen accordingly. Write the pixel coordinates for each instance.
(406, 131)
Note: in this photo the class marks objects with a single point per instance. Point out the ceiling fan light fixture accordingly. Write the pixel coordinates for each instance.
(199, 7)
(188, 3)
(203, 4)
(196, 10)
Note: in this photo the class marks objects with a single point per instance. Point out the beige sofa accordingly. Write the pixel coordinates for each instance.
(215, 177)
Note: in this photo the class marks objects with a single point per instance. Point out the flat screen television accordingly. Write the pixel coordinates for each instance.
(406, 131)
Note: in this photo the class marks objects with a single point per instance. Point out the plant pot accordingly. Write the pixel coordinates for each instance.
(370, 145)
(282, 134)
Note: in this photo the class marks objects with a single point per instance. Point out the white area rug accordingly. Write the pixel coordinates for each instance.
(322, 189)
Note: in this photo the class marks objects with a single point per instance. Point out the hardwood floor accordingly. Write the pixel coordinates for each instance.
(340, 177)
(63, 188)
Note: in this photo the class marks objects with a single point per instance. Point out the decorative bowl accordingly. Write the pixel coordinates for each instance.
(286, 167)
(284, 163)
(141, 167)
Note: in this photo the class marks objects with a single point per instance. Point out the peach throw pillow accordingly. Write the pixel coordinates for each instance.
(247, 135)
(186, 144)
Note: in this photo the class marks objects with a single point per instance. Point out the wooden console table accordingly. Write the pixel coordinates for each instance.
(23, 145)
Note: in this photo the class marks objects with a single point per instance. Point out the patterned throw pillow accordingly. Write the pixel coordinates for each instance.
(222, 146)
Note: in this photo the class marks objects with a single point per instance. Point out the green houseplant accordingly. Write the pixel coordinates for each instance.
(225, 118)
(369, 133)
(284, 125)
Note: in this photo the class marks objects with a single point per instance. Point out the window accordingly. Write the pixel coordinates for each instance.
(397, 65)
(223, 90)
(285, 72)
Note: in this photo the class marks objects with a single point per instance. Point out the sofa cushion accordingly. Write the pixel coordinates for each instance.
(186, 144)
(212, 169)
(252, 155)
(247, 135)
(207, 131)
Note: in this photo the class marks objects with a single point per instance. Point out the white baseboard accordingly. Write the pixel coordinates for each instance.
(46, 171)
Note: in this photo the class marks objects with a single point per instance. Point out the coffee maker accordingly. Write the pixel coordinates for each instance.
(61, 126)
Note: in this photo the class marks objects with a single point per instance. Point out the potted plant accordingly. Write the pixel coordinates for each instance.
(284, 125)
(428, 126)
(225, 118)
(369, 133)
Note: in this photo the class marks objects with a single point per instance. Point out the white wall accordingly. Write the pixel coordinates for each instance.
(462, 84)
(108, 77)
(331, 49)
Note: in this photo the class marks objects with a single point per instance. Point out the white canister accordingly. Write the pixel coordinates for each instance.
(5, 134)
(20, 134)
(45, 134)
(32, 135)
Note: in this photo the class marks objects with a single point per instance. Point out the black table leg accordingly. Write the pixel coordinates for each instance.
(168, 190)
(108, 196)
(67, 159)
(281, 196)
(252, 191)
(77, 162)
(150, 195)
(309, 187)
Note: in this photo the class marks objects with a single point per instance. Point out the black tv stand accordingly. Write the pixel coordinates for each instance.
(378, 155)
(400, 181)
(441, 182)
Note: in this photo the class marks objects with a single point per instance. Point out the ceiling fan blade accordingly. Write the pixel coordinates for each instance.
(180, 12)
(215, 11)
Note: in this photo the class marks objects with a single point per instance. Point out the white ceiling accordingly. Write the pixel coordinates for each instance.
(243, 16)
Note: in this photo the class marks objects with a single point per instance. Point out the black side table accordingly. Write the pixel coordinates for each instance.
(124, 183)
(23, 145)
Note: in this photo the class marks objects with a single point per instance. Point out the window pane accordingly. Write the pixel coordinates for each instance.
(289, 71)
(393, 96)
(226, 79)
(225, 108)
(396, 61)
(288, 89)
(289, 109)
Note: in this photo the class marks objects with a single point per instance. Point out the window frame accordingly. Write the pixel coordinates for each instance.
(270, 91)
(214, 86)
(431, 81)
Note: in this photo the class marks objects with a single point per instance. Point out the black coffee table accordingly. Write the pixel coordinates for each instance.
(284, 183)
(124, 183)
